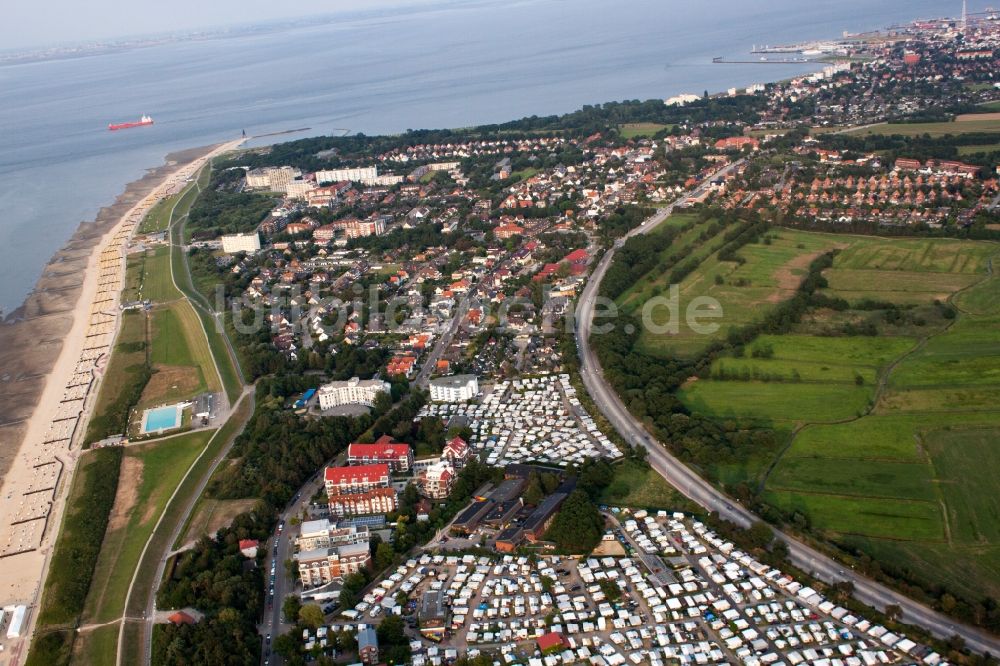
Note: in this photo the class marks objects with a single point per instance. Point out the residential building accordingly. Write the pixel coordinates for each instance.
(367, 645)
(506, 231)
(356, 479)
(436, 481)
(456, 451)
(377, 500)
(454, 388)
(354, 391)
(433, 615)
(233, 243)
(315, 534)
(275, 179)
(248, 547)
(540, 519)
(298, 189)
(323, 565)
(737, 143)
(398, 456)
(356, 174)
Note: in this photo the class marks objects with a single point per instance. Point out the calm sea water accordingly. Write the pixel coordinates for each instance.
(448, 66)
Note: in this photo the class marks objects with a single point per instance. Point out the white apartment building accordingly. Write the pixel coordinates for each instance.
(323, 565)
(354, 391)
(314, 534)
(275, 179)
(233, 243)
(298, 189)
(455, 388)
(437, 480)
(356, 174)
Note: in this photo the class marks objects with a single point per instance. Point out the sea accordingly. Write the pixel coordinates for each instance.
(452, 64)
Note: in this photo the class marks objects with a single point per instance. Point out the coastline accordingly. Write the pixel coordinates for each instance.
(53, 350)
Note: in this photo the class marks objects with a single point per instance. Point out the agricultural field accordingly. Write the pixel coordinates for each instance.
(931, 129)
(887, 441)
(771, 274)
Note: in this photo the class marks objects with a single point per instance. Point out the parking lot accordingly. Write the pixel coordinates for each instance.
(532, 419)
(683, 596)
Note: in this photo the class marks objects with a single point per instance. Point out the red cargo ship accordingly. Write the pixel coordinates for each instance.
(145, 120)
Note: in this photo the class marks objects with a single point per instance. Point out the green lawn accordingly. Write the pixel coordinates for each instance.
(967, 354)
(637, 486)
(982, 299)
(917, 478)
(637, 130)
(939, 255)
(178, 340)
(123, 381)
(903, 287)
(813, 358)
(150, 473)
(964, 151)
(687, 244)
(158, 217)
(87, 507)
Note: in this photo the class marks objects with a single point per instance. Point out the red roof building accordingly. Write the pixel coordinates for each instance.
(551, 642)
(737, 143)
(398, 456)
(377, 500)
(358, 479)
(508, 230)
(456, 451)
(249, 547)
(180, 617)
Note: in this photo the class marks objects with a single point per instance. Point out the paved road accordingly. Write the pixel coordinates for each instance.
(283, 585)
(461, 309)
(706, 495)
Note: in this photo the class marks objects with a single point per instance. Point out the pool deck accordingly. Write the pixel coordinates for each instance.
(160, 428)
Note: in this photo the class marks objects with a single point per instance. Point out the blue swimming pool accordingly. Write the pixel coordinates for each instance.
(161, 418)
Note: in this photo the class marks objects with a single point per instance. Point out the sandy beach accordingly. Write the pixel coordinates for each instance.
(52, 353)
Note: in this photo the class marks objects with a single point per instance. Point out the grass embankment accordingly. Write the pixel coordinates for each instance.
(220, 350)
(891, 434)
(180, 357)
(149, 475)
(71, 570)
(124, 380)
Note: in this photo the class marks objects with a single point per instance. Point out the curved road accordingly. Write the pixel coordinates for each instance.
(698, 490)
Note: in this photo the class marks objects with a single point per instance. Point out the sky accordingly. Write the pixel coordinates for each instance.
(24, 26)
